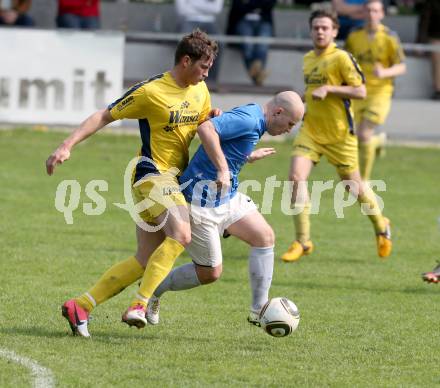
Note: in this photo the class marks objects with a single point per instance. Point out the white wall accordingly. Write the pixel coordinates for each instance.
(53, 77)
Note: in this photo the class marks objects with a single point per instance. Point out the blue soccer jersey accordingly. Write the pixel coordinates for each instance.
(239, 130)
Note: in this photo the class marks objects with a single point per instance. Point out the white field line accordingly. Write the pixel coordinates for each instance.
(43, 377)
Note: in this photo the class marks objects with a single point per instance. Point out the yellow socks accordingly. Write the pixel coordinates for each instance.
(126, 272)
(86, 302)
(159, 265)
(302, 223)
(111, 283)
(367, 155)
(374, 213)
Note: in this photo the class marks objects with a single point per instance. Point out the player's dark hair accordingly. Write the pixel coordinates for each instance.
(196, 45)
(324, 13)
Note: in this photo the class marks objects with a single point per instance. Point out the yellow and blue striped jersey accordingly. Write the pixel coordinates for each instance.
(168, 118)
(328, 121)
(382, 47)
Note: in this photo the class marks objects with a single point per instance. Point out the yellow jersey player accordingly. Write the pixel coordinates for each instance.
(332, 78)
(169, 108)
(379, 53)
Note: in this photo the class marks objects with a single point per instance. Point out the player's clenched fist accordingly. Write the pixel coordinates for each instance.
(215, 112)
(223, 180)
(320, 93)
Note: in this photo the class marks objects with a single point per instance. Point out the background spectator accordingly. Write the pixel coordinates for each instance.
(81, 14)
(350, 15)
(14, 13)
(200, 14)
(429, 32)
(252, 18)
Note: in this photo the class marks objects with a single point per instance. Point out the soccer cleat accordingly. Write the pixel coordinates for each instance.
(296, 250)
(433, 276)
(153, 308)
(77, 317)
(135, 316)
(254, 318)
(384, 243)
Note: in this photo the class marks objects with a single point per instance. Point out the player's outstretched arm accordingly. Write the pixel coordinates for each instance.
(260, 153)
(211, 143)
(389, 72)
(88, 127)
(343, 91)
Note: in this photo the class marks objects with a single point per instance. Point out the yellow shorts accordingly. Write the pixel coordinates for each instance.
(163, 193)
(343, 155)
(374, 108)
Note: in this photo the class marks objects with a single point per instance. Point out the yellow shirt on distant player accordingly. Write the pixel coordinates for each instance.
(330, 120)
(168, 119)
(382, 47)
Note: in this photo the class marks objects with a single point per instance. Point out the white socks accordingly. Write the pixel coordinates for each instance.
(260, 275)
(180, 278)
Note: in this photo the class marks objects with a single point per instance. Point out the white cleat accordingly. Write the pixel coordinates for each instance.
(153, 309)
(254, 318)
(135, 316)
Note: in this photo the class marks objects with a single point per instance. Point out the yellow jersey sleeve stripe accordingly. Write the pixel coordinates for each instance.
(133, 89)
(127, 93)
(356, 65)
(347, 105)
(346, 101)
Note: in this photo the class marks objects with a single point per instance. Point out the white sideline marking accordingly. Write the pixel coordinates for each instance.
(43, 377)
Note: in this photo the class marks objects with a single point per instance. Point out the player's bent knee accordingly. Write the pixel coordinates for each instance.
(365, 132)
(364, 137)
(183, 238)
(141, 257)
(270, 238)
(214, 275)
(266, 238)
(208, 275)
(182, 235)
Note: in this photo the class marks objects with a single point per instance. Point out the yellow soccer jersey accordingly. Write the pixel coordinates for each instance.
(330, 120)
(383, 47)
(168, 119)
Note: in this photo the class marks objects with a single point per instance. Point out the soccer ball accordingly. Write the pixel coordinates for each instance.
(279, 317)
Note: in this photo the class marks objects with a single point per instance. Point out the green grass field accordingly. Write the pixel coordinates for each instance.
(363, 322)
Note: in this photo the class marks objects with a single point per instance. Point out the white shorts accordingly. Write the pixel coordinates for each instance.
(208, 224)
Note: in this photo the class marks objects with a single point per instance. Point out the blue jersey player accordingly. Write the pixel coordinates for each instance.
(210, 185)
